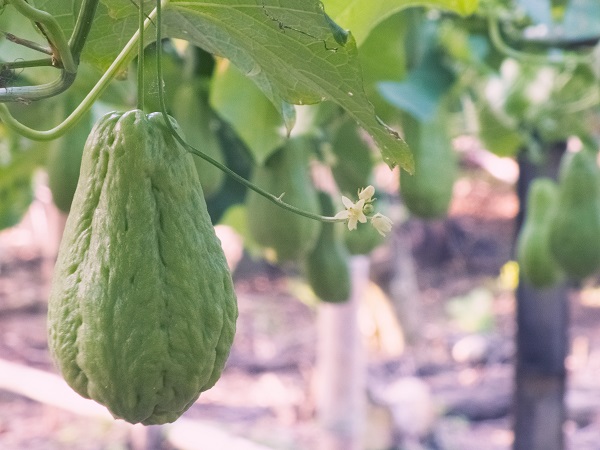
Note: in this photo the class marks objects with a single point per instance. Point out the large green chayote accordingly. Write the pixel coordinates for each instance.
(142, 310)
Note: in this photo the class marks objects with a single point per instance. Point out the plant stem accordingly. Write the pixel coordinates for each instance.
(26, 94)
(531, 58)
(25, 43)
(55, 34)
(24, 64)
(92, 96)
(140, 67)
(83, 26)
(68, 51)
(273, 198)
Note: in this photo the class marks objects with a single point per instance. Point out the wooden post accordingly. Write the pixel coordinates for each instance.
(340, 371)
(542, 341)
(542, 321)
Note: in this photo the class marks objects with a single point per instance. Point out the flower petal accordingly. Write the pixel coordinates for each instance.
(342, 215)
(347, 202)
(366, 193)
(381, 223)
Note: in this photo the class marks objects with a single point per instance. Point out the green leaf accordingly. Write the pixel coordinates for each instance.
(496, 136)
(19, 158)
(292, 52)
(423, 89)
(383, 57)
(361, 16)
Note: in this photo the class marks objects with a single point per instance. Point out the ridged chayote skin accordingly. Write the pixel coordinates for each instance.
(142, 310)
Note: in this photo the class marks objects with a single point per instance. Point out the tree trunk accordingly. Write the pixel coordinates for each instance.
(340, 373)
(542, 341)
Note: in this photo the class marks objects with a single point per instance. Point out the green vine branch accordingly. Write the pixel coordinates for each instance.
(23, 64)
(53, 32)
(92, 96)
(82, 28)
(64, 54)
(560, 59)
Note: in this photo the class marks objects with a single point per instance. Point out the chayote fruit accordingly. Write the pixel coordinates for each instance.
(353, 159)
(363, 240)
(326, 266)
(142, 310)
(575, 225)
(533, 243)
(428, 192)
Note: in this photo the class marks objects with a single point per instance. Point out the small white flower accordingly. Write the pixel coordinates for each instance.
(353, 212)
(381, 223)
(366, 194)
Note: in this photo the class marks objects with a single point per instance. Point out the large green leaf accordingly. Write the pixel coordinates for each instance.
(361, 16)
(383, 57)
(423, 89)
(291, 50)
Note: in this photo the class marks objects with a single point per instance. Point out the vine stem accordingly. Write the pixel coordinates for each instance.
(58, 39)
(87, 102)
(67, 52)
(140, 68)
(82, 27)
(21, 64)
(273, 198)
(538, 59)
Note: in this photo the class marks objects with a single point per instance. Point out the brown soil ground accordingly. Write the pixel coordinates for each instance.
(462, 354)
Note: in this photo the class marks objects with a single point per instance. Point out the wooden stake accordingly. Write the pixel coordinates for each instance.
(340, 371)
